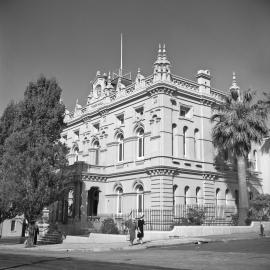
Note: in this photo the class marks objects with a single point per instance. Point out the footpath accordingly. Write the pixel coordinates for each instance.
(109, 246)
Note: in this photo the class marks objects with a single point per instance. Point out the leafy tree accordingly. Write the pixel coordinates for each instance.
(33, 158)
(266, 104)
(239, 122)
(7, 124)
(8, 207)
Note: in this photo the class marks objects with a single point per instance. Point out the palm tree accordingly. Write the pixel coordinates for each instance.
(239, 122)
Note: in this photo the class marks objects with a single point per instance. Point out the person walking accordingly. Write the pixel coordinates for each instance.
(132, 230)
(140, 234)
(36, 233)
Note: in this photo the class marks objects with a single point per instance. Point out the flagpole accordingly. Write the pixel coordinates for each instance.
(121, 64)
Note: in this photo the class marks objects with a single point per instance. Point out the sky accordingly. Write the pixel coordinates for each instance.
(71, 40)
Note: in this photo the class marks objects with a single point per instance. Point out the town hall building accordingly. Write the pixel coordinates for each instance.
(146, 144)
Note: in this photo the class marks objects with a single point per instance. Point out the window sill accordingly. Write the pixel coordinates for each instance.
(120, 164)
(185, 118)
(154, 137)
(139, 161)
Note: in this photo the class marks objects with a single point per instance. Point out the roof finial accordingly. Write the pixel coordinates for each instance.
(109, 84)
(159, 52)
(164, 50)
(234, 87)
(234, 84)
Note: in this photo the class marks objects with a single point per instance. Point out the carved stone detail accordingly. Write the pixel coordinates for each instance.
(208, 176)
(162, 171)
(94, 178)
(161, 90)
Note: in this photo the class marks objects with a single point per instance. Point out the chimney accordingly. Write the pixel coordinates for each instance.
(204, 81)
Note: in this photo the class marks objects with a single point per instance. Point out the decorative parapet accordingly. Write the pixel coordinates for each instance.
(218, 95)
(103, 104)
(184, 83)
(161, 90)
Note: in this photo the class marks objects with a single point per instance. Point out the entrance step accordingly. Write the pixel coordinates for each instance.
(50, 238)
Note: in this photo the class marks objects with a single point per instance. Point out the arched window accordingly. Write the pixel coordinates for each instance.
(119, 192)
(227, 197)
(217, 196)
(70, 203)
(93, 201)
(96, 146)
(140, 134)
(198, 195)
(196, 144)
(174, 190)
(255, 156)
(76, 154)
(186, 193)
(174, 147)
(236, 198)
(185, 141)
(120, 139)
(140, 198)
(154, 125)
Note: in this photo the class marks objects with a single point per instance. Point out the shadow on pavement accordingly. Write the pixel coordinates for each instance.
(27, 262)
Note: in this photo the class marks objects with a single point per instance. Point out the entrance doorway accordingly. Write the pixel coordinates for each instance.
(93, 199)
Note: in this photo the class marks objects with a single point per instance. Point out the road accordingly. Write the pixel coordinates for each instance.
(240, 254)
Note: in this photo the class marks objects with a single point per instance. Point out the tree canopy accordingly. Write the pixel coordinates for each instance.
(32, 157)
(238, 122)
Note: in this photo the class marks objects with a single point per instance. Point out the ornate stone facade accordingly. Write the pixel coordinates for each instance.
(145, 144)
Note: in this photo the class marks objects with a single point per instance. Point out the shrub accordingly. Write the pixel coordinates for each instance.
(108, 226)
(235, 218)
(260, 208)
(196, 216)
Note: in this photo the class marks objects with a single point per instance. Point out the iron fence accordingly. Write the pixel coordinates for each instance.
(165, 219)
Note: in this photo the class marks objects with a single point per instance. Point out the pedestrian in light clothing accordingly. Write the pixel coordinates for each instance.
(140, 234)
(132, 231)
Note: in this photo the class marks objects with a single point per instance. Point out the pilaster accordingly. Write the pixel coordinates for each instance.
(161, 188)
(209, 188)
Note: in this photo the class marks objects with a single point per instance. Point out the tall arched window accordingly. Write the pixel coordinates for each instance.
(140, 134)
(120, 139)
(70, 203)
(119, 192)
(217, 196)
(186, 195)
(236, 198)
(96, 146)
(174, 147)
(196, 144)
(76, 153)
(154, 125)
(255, 156)
(185, 141)
(198, 195)
(140, 198)
(227, 197)
(174, 190)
